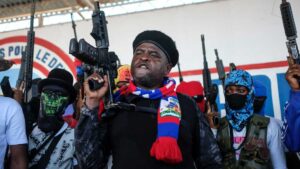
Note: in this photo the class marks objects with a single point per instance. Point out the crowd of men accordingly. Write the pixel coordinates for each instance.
(152, 123)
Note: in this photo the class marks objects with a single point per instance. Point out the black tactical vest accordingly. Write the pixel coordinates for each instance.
(254, 151)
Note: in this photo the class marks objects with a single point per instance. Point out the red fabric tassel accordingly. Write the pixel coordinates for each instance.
(166, 149)
(71, 121)
(77, 62)
(101, 109)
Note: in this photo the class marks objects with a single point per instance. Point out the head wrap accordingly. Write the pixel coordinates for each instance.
(260, 89)
(238, 118)
(192, 89)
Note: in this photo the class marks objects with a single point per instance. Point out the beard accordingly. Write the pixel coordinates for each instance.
(148, 82)
(147, 78)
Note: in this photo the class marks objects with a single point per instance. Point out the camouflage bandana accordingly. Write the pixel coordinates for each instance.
(53, 102)
(238, 118)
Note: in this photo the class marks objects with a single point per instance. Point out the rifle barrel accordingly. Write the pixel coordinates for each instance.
(74, 26)
(179, 71)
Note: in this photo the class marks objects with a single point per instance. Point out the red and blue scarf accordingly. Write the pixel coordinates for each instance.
(165, 147)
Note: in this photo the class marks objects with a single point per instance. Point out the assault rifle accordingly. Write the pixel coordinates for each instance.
(290, 31)
(30, 95)
(25, 76)
(97, 59)
(210, 90)
(25, 72)
(28, 61)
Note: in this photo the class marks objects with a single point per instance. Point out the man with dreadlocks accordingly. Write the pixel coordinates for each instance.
(159, 129)
(247, 140)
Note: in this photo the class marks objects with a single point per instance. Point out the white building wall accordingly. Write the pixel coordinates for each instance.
(244, 32)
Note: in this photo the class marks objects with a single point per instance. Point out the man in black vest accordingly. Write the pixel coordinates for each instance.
(247, 140)
(158, 129)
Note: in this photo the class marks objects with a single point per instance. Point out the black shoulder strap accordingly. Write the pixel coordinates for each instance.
(34, 151)
(44, 160)
(131, 107)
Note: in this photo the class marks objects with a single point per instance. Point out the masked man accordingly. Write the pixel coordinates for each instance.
(154, 127)
(260, 97)
(247, 140)
(51, 141)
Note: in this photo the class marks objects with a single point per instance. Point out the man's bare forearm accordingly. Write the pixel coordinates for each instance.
(18, 156)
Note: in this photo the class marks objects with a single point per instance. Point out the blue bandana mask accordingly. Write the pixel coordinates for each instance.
(238, 117)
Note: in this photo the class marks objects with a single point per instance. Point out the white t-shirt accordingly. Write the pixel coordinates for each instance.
(274, 143)
(12, 125)
(62, 156)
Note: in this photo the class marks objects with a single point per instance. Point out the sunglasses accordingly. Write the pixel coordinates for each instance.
(198, 98)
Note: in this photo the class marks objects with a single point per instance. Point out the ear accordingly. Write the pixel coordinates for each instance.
(168, 69)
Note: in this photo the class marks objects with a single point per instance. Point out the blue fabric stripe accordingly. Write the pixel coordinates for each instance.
(168, 129)
(157, 93)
